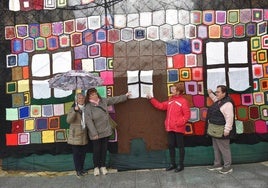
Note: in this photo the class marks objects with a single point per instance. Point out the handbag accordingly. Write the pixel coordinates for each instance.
(215, 130)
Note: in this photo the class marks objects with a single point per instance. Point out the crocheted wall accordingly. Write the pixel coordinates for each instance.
(137, 46)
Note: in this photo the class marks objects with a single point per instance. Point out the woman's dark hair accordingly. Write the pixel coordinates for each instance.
(223, 89)
(89, 92)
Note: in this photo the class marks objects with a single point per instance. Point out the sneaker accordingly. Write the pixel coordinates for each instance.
(226, 170)
(103, 170)
(214, 167)
(96, 171)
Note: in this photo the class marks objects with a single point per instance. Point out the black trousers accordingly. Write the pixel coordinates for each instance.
(100, 151)
(79, 155)
(176, 139)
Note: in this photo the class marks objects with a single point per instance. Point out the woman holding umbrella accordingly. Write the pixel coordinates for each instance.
(99, 127)
(78, 137)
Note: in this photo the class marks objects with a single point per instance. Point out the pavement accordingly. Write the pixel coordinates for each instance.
(251, 175)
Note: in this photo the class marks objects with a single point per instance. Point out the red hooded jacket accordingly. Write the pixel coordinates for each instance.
(178, 112)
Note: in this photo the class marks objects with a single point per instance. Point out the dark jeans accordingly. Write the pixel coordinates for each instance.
(99, 152)
(79, 155)
(176, 139)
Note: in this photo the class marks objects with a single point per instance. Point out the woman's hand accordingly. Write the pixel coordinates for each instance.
(149, 96)
(96, 137)
(128, 93)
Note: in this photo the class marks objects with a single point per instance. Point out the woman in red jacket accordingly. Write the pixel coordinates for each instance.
(178, 113)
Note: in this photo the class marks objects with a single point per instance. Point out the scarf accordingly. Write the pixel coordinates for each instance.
(82, 108)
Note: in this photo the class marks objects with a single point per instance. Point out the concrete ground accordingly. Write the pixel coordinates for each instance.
(253, 175)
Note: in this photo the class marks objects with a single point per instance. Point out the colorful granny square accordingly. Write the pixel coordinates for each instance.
(127, 34)
(52, 43)
(110, 91)
(16, 46)
(198, 100)
(185, 74)
(196, 45)
(58, 109)
(239, 127)
(214, 31)
(94, 50)
(81, 24)
(88, 37)
(258, 98)
(101, 35)
(22, 31)
(41, 123)
(264, 112)
(107, 77)
(172, 75)
(107, 49)
(220, 17)
(29, 125)
(255, 43)
(40, 43)
(34, 30)
(261, 127)
(190, 60)
(17, 126)
(76, 39)
(69, 26)
(17, 99)
(80, 52)
(54, 123)
(139, 34)
(57, 28)
(177, 61)
(196, 17)
(9, 32)
(102, 91)
(191, 88)
(11, 139)
(257, 15)
(251, 29)
(239, 30)
(262, 56)
(245, 15)
(24, 112)
(113, 35)
(208, 17)
(233, 17)
(188, 129)
(197, 73)
(45, 30)
(262, 28)
(60, 135)
(23, 138)
(64, 41)
(242, 113)
(48, 136)
(47, 110)
(247, 99)
(35, 137)
(35, 111)
(202, 31)
(185, 46)
(11, 114)
(199, 127)
(254, 112)
(264, 84)
(194, 115)
(100, 64)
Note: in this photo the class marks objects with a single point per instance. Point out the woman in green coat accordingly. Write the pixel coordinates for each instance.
(99, 127)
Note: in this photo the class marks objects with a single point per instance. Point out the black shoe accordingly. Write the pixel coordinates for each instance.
(79, 174)
(179, 168)
(84, 172)
(171, 167)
